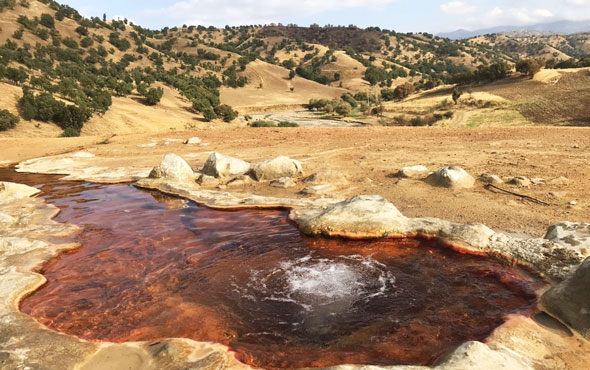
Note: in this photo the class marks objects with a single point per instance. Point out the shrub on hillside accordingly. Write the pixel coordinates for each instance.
(47, 20)
(153, 95)
(287, 124)
(529, 67)
(7, 120)
(263, 124)
(226, 112)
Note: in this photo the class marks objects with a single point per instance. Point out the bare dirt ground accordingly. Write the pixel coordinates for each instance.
(369, 156)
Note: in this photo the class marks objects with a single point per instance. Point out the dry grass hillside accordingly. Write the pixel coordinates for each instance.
(196, 71)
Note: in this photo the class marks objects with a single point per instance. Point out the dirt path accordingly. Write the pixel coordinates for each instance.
(369, 156)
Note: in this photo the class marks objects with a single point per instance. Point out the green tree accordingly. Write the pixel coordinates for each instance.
(343, 108)
(291, 74)
(226, 112)
(7, 120)
(403, 91)
(153, 95)
(47, 20)
(209, 114)
(529, 67)
(16, 75)
(457, 95)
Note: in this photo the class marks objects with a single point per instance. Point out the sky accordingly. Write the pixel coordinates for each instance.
(400, 15)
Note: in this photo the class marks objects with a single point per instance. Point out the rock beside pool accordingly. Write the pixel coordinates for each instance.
(571, 234)
(223, 166)
(453, 177)
(477, 355)
(569, 301)
(413, 172)
(11, 191)
(275, 168)
(208, 181)
(360, 216)
(317, 189)
(173, 168)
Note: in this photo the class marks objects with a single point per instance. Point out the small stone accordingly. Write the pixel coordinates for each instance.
(573, 203)
(558, 194)
(575, 146)
(537, 181)
(193, 140)
(240, 181)
(413, 172)
(317, 189)
(326, 176)
(487, 178)
(207, 181)
(521, 182)
(560, 181)
(283, 182)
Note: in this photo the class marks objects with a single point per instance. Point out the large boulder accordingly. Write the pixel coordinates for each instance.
(173, 168)
(569, 301)
(360, 216)
(477, 355)
(453, 177)
(275, 168)
(223, 166)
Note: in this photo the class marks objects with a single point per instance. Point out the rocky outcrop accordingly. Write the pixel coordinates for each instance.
(173, 168)
(472, 355)
(569, 301)
(275, 168)
(223, 166)
(413, 172)
(571, 234)
(374, 216)
(453, 177)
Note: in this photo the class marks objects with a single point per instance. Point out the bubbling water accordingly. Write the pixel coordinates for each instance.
(151, 269)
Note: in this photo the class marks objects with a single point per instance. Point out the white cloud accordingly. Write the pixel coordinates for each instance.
(241, 12)
(457, 7)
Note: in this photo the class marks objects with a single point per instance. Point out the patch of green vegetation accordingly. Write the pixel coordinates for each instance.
(263, 124)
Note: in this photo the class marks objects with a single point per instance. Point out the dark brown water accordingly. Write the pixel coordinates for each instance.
(152, 267)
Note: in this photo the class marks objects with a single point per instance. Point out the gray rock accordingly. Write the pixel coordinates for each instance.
(570, 234)
(569, 301)
(223, 166)
(521, 181)
(487, 178)
(173, 168)
(283, 182)
(275, 168)
(453, 177)
(413, 172)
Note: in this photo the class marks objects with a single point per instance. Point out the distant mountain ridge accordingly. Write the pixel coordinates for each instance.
(559, 27)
